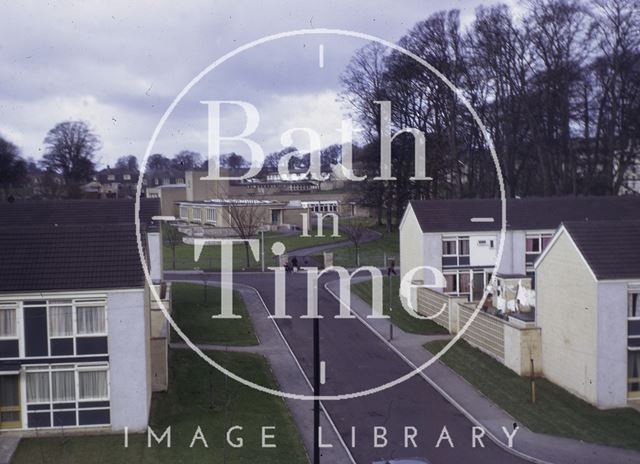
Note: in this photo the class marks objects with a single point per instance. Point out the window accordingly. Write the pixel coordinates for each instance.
(111, 177)
(61, 320)
(449, 247)
(8, 327)
(211, 215)
(452, 283)
(184, 212)
(634, 305)
(38, 387)
(533, 244)
(91, 320)
(93, 384)
(463, 246)
(126, 176)
(197, 214)
(63, 384)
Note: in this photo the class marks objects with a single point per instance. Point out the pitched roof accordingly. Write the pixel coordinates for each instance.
(71, 245)
(522, 214)
(109, 211)
(611, 248)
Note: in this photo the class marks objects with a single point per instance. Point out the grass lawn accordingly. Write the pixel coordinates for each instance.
(556, 412)
(371, 253)
(198, 396)
(399, 316)
(210, 257)
(193, 315)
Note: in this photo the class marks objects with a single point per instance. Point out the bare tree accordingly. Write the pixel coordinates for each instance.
(246, 216)
(70, 149)
(356, 230)
(173, 238)
(13, 168)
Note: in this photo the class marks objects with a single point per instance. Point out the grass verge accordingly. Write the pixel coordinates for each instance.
(399, 316)
(198, 396)
(556, 411)
(193, 314)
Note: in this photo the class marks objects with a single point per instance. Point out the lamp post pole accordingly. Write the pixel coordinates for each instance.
(316, 390)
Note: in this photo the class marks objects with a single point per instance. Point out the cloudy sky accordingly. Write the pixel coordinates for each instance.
(119, 65)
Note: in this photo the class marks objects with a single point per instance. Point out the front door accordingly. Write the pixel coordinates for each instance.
(10, 401)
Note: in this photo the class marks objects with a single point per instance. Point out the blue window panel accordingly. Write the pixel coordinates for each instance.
(633, 327)
(62, 346)
(9, 349)
(35, 332)
(38, 419)
(65, 418)
(91, 345)
(93, 404)
(38, 407)
(96, 417)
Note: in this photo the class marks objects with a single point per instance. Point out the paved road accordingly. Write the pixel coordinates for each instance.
(357, 360)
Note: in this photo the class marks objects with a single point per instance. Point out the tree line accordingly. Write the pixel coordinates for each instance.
(557, 88)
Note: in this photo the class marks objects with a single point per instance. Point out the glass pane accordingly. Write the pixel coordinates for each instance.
(464, 247)
(7, 322)
(37, 387)
(64, 386)
(533, 245)
(448, 247)
(91, 319)
(92, 384)
(634, 305)
(465, 282)
(452, 283)
(61, 321)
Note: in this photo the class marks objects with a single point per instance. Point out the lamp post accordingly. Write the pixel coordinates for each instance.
(316, 390)
(391, 263)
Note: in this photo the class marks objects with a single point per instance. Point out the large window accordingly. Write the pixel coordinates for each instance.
(8, 328)
(535, 244)
(60, 389)
(77, 318)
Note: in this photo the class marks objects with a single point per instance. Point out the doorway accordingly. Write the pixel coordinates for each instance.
(10, 401)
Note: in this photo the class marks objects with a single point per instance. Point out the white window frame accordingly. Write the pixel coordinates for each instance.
(450, 239)
(211, 215)
(184, 212)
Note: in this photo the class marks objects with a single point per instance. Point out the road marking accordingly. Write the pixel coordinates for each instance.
(482, 219)
(323, 372)
(321, 55)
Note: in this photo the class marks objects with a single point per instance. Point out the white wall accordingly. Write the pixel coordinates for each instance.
(411, 243)
(612, 344)
(154, 245)
(567, 313)
(483, 255)
(128, 359)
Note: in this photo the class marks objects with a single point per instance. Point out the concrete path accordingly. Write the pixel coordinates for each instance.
(542, 448)
(289, 375)
(8, 446)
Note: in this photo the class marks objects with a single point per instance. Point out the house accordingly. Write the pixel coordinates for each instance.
(461, 238)
(588, 310)
(76, 329)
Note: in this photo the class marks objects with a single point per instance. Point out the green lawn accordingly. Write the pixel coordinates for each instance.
(371, 253)
(198, 396)
(193, 315)
(210, 257)
(556, 412)
(399, 316)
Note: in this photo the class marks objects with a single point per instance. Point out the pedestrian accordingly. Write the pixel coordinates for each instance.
(295, 264)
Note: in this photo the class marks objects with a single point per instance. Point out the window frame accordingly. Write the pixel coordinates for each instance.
(15, 306)
(211, 212)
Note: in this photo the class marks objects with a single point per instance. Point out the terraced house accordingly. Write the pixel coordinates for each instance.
(75, 324)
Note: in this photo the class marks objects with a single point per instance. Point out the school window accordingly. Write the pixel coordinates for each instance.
(211, 215)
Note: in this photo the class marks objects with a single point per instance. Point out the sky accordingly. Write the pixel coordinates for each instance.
(119, 65)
